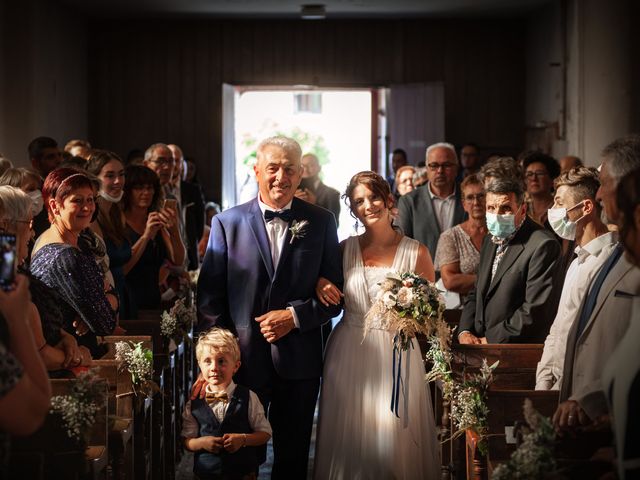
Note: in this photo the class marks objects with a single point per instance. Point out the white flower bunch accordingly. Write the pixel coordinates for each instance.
(136, 360)
(78, 409)
(534, 457)
(168, 324)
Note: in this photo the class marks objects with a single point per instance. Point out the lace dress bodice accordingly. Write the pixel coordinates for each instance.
(361, 283)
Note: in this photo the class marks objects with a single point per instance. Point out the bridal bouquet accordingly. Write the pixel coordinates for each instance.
(408, 305)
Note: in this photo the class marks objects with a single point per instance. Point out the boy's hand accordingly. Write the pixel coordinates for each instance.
(234, 441)
(212, 444)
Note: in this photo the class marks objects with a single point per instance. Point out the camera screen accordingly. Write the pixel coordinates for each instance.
(7, 261)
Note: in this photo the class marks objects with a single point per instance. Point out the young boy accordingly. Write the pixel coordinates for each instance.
(224, 429)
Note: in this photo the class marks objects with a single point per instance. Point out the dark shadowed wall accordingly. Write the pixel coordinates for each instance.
(156, 80)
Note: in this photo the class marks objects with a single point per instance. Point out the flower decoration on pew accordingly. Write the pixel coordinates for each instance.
(407, 305)
(177, 322)
(78, 410)
(534, 456)
(138, 361)
(467, 397)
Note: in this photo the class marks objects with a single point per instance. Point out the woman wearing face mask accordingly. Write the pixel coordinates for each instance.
(109, 224)
(575, 216)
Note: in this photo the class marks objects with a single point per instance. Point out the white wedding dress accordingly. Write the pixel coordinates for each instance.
(359, 437)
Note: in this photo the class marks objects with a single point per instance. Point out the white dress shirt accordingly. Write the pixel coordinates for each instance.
(576, 286)
(444, 208)
(257, 419)
(277, 233)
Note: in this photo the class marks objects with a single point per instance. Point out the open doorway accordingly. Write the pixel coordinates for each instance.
(333, 124)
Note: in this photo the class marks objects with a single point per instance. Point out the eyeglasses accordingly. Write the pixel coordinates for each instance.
(537, 173)
(434, 167)
(478, 196)
(162, 161)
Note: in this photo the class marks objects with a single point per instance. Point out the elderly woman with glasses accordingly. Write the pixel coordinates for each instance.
(458, 252)
(540, 170)
(58, 349)
(65, 263)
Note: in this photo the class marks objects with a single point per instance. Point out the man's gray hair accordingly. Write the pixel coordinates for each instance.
(15, 205)
(446, 145)
(148, 153)
(622, 156)
(289, 145)
(505, 186)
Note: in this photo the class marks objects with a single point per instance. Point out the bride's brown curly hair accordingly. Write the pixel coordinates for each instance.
(374, 182)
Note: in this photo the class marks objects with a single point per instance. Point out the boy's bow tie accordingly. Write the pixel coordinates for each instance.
(217, 397)
(285, 215)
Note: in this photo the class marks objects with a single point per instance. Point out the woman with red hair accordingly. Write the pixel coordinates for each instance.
(65, 264)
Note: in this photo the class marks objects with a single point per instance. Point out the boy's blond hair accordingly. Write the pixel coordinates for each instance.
(219, 340)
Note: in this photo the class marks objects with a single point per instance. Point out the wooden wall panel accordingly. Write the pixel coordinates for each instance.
(165, 83)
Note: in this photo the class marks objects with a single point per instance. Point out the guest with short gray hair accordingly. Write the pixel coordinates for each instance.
(515, 297)
(425, 213)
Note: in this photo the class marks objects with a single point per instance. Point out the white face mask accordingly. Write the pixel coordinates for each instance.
(111, 199)
(37, 202)
(561, 224)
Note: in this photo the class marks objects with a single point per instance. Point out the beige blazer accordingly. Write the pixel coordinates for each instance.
(587, 355)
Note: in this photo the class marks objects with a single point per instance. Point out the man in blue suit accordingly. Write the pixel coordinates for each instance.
(258, 280)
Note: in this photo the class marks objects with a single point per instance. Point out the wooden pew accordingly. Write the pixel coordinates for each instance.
(50, 454)
(515, 371)
(123, 403)
(505, 411)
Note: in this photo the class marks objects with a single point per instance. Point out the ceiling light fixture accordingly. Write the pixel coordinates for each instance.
(313, 12)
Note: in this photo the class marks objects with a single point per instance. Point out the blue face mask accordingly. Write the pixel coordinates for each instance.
(501, 226)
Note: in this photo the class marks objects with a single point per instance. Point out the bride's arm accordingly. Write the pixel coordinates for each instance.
(328, 293)
(424, 265)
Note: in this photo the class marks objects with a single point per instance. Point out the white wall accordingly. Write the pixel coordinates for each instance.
(44, 70)
(598, 76)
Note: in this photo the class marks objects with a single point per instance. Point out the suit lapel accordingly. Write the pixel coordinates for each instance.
(429, 214)
(513, 252)
(260, 234)
(614, 277)
(484, 273)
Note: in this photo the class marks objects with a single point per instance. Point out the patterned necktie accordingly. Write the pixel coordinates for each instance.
(285, 215)
(213, 397)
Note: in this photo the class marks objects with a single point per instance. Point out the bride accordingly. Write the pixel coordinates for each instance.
(359, 437)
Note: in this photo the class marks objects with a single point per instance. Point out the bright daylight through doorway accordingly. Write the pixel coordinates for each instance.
(333, 124)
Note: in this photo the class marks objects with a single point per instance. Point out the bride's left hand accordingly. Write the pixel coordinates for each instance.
(328, 293)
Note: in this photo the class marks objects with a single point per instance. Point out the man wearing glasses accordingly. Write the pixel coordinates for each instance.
(159, 158)
(435, 207)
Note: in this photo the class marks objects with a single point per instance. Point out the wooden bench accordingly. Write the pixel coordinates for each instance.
(515, 371)
(505, 411)
(50, 453)
(135, 413)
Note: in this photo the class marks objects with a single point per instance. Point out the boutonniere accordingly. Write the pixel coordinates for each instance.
(297, 229)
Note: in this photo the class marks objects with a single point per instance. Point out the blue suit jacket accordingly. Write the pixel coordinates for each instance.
(237, 283)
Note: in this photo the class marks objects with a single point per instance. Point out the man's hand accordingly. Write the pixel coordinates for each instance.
(234, 441)
(306, 195)
(569, 415)
(468, 338)
(275, 324)
(198, 389)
